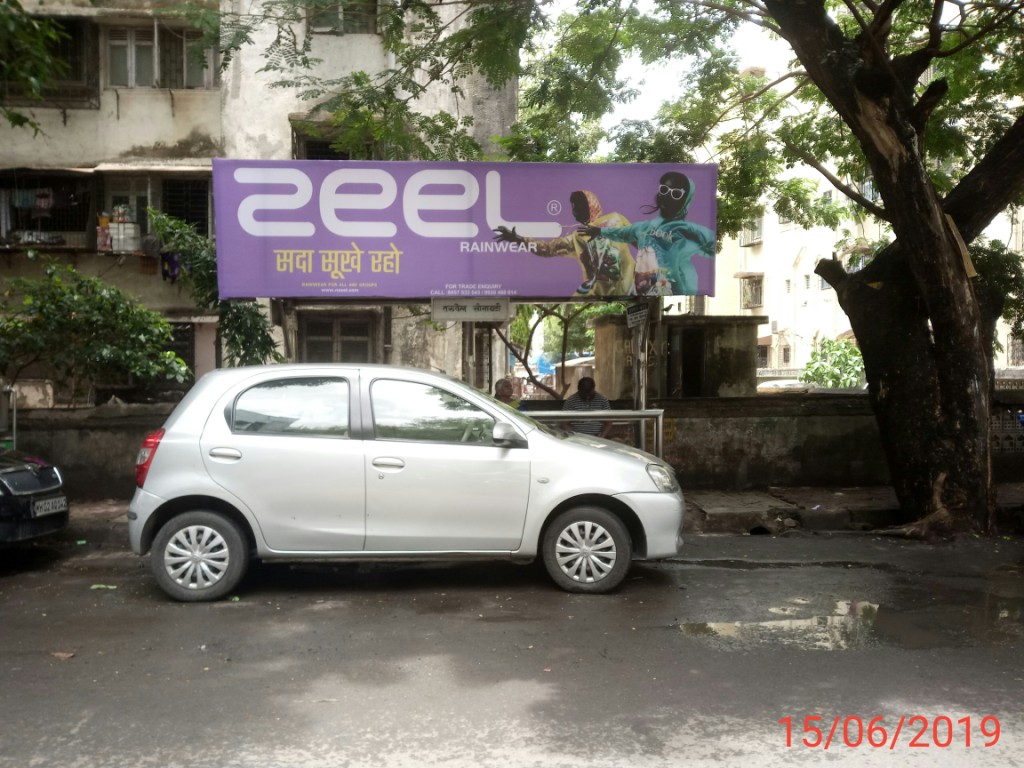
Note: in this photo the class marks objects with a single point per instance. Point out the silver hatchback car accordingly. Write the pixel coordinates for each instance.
(364, 462)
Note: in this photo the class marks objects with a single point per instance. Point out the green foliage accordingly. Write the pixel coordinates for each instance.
(834, 363)
(28, 66)
(83, 329)
(521, 328)
(1003, 271)
(243, 326)
(566, 333)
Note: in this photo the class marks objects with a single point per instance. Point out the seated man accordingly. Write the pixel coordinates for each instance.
(587, 398)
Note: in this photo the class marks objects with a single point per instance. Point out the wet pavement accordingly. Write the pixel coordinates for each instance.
(722, 657)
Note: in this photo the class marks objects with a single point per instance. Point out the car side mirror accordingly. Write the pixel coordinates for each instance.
(506, 436)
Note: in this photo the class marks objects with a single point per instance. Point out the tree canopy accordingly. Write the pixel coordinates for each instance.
(83, 330)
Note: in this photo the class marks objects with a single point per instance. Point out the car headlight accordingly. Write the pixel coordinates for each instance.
(664, 479)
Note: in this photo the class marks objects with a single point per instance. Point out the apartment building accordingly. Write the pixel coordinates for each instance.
(769, 270)
(135, 122)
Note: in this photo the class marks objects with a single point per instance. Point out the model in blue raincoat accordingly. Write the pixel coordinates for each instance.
(665, 244)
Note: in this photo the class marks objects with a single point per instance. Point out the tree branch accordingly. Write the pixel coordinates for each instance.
(993, 184)
(846, 189)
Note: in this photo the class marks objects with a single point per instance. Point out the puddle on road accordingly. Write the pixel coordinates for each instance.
(996, 616)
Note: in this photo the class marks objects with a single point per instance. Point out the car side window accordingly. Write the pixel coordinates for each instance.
(306, 406)
(406, 410)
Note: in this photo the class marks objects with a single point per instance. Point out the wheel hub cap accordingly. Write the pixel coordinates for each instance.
(196, 557)
(585, 552)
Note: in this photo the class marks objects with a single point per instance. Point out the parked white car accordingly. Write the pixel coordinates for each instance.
(306, 461)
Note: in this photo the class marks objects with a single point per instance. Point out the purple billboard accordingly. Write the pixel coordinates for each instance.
(416, 230)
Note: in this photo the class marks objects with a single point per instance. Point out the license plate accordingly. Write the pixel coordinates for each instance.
(41, 507)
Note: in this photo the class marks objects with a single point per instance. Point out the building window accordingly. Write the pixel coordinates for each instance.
(762, 355)
(38, 208)
(130, 54)
(188, 200)
(76, 57)
(175, 58)
(807, 281)
(130, 193)
(1016, 351)
(751, 232)
(334, 339)
(789, 286)
(752, 292)
(354, 17)
(823, 284)
(785, 355)
(184, 62)
(870, 191)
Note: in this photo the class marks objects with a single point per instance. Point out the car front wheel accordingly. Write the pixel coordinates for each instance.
(199, 556)
(587, 549)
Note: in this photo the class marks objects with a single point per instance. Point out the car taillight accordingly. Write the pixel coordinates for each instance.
(146, 454)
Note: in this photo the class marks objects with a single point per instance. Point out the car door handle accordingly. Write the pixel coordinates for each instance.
(225, 453)
(388, 463)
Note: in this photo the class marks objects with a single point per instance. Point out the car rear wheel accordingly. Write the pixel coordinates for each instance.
(587, 549)
(199, 556)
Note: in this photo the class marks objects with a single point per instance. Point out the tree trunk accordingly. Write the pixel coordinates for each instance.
(913, 309)
(944, 486)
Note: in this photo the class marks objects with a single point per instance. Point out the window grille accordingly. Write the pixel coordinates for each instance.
(188, 200)
(45, 209)
(76, 83)
(762, 355)
(1016, 351)
(351, 17)
(184, 62)
(751, 232)
(752, 289)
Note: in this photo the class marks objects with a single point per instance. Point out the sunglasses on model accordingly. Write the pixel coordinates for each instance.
(675, 194)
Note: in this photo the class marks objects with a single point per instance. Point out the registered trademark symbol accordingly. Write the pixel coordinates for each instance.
(554, 207)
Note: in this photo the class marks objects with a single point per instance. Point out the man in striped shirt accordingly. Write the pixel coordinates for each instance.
(587, 398)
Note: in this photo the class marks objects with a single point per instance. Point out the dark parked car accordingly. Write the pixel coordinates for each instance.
(32, 500)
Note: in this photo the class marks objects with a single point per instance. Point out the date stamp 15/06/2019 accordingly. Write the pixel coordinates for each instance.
(913, 731)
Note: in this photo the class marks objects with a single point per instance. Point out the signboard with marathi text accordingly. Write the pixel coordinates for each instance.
(492, 309)
(418, 230)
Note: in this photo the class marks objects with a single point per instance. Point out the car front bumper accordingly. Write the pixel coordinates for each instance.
(662, 518)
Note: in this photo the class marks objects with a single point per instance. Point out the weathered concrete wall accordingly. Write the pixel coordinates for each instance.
(131, 122)
(713, 443)
(95, 448)
(756, 442)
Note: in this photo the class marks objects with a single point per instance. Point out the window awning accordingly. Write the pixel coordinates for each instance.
(155, 166)
(43, 170)
(764, 341)
(748, 274)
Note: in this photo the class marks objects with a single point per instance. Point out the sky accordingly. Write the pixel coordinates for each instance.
(756, 48)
